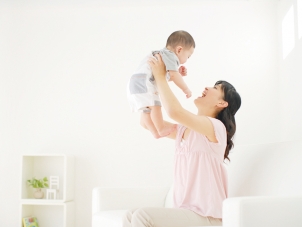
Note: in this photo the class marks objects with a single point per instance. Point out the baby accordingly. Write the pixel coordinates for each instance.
(142, 91)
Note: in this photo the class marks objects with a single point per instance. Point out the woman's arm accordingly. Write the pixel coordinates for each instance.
(172, 106)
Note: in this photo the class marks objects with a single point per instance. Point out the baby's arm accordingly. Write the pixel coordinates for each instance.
(179, 81)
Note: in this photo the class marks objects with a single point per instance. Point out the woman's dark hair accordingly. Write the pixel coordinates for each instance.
(227, 115)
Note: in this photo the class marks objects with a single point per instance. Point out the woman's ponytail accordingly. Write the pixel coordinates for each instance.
(227, 115)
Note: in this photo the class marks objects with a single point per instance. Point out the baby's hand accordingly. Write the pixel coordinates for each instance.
(182, 70)
(188, 93)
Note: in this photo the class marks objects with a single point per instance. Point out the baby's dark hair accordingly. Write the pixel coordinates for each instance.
(182, 38)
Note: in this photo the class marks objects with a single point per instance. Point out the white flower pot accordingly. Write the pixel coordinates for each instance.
(38, 194)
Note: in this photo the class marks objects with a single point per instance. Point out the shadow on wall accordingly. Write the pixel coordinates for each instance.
(291, 28)
(259, 164)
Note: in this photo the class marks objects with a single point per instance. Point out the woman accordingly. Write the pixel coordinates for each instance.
(203, 142)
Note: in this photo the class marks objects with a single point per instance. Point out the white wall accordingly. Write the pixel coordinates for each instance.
(63, 75)
(290, 63)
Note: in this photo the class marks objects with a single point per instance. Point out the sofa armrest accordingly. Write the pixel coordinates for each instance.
(262, 211)
(127, 198)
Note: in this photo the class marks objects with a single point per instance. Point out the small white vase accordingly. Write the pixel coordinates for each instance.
(38, 194)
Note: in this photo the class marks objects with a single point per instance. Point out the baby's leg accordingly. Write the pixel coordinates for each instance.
(147, 123)
(158, 121)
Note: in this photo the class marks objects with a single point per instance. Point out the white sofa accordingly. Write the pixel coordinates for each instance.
(265, 190)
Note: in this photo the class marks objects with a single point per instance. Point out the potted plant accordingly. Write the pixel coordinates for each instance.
(38, 184)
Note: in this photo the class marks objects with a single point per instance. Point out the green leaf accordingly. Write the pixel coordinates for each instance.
(35, 183)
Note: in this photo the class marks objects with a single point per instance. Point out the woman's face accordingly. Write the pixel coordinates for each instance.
(211, 96)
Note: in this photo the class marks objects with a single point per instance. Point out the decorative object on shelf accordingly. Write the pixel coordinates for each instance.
(30, 222)
(38, 184)
(51, 192)
(38, 194)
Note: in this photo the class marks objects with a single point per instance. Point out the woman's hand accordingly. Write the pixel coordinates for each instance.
(158, 67)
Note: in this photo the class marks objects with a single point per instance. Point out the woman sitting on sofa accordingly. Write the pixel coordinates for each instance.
(203, 142)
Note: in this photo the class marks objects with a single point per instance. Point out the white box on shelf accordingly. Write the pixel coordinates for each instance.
(45, 165)
(50, 214)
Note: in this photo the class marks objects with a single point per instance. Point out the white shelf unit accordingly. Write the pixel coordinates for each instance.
(45, 165)
(50, 212)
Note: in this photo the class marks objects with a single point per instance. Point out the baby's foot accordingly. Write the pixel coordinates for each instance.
(167, 130)
(156, 136)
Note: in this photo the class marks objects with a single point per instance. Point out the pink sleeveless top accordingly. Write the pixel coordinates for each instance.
(200, 177)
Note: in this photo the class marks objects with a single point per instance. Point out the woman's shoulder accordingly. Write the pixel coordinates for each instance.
(219, 129)
(217, 123)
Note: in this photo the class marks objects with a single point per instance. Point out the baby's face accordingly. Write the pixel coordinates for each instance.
(184, 54)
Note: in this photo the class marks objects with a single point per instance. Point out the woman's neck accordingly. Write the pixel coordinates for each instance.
(207, 112)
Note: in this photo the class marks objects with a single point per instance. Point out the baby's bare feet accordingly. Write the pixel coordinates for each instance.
(156, 136)
(167, 130)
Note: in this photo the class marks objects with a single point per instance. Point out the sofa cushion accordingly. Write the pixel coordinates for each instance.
(112, 218)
